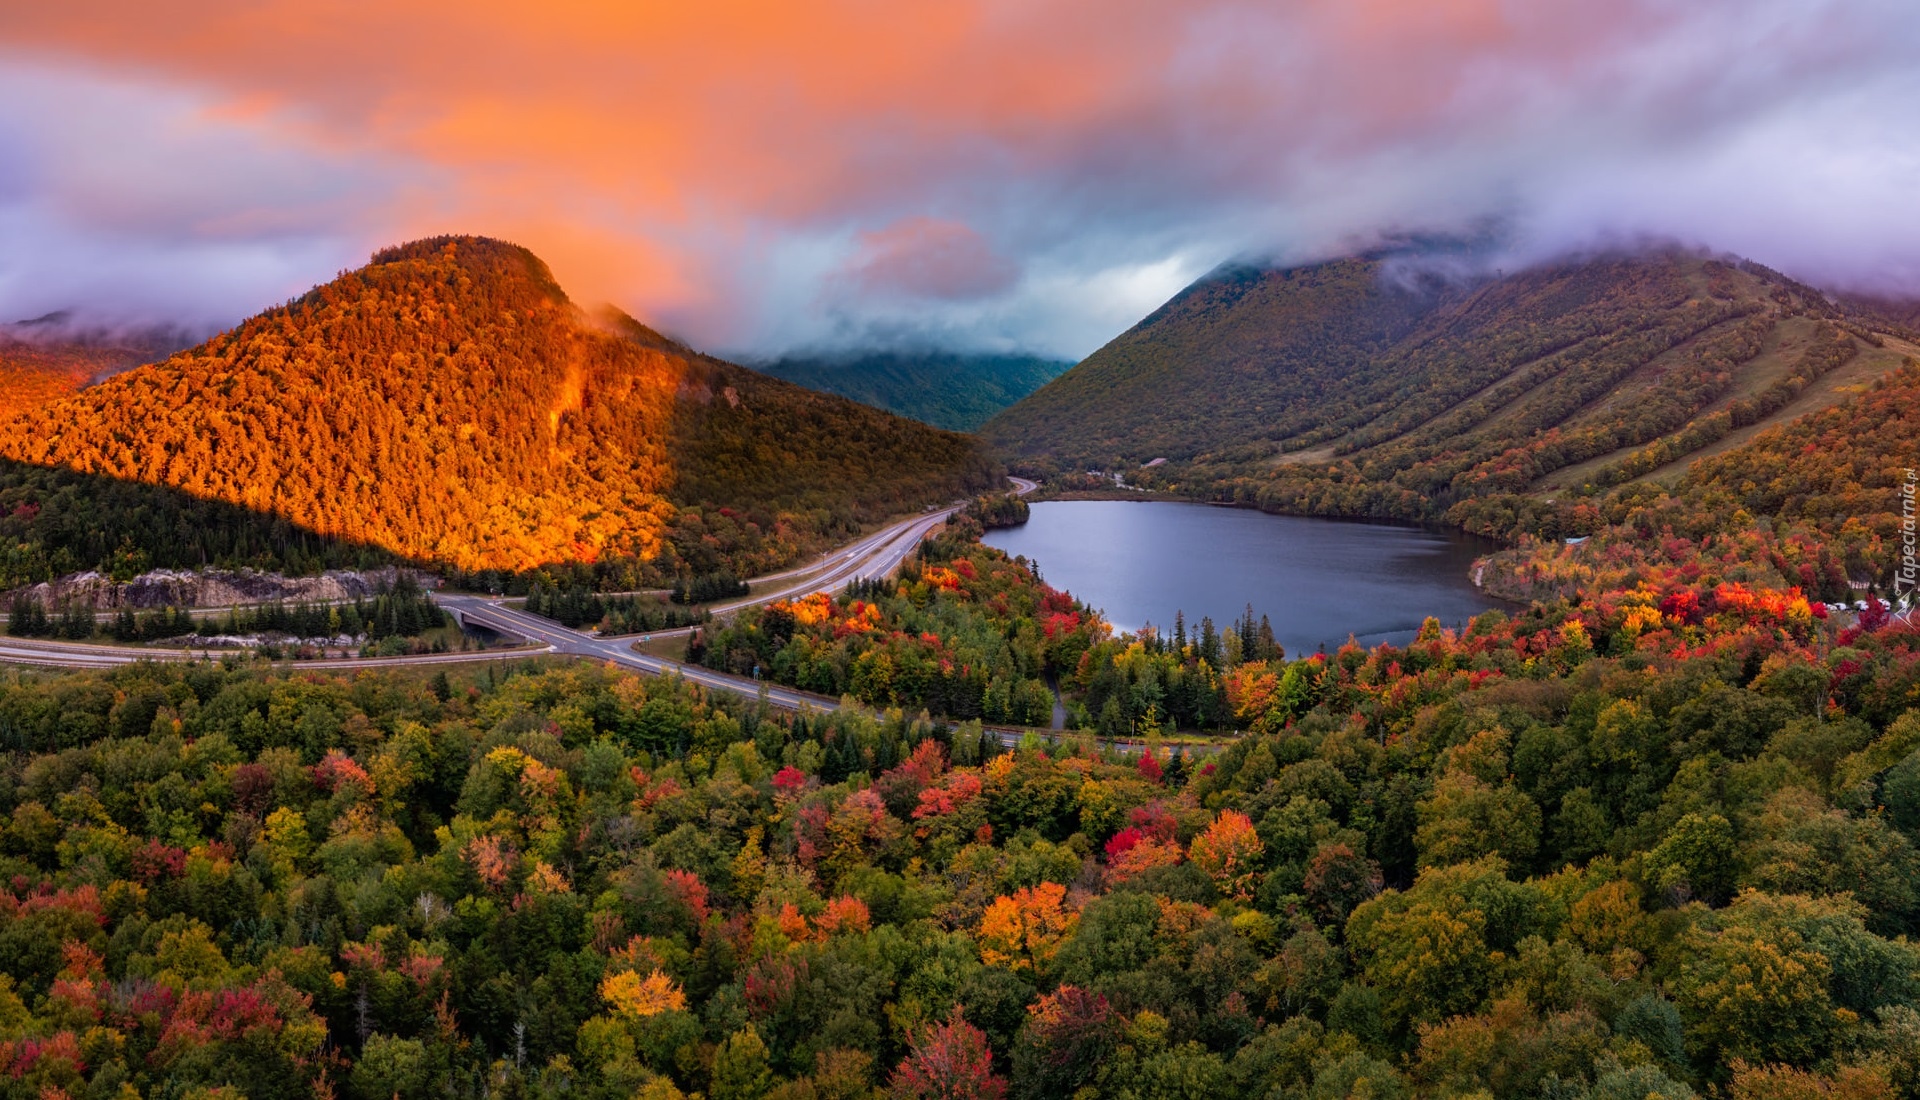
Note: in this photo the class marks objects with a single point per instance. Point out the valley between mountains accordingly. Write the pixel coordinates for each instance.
(617, 721)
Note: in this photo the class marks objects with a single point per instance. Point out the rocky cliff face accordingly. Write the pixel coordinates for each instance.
(214, 588)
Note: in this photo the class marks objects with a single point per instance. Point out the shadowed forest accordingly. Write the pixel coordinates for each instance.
(449, 405)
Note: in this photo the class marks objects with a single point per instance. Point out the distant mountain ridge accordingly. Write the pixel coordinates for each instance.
(448, 404)
(954, 390)
(1369, 387)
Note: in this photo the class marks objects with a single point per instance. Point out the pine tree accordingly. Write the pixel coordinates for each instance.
(1269, 648)
(28, 619)
(76, 621)
(1209, 643)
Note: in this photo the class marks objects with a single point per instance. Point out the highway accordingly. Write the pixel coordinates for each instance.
(36, 651)
(617, 651)
(816, 571)
(876, 555)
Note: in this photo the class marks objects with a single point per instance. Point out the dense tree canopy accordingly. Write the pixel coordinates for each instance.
(1613, 849)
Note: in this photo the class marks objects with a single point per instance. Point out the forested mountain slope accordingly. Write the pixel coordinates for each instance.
(31, 376)
(1243, 355)
(948, 390)
(43, 360)
(1815, 503)
(1358, 388)
(449, 404)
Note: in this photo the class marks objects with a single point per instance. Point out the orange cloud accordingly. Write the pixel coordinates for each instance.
(670, 155)
(641, 124)
(688, 100)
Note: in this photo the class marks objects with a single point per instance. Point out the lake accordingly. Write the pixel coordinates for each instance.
(1317, 580)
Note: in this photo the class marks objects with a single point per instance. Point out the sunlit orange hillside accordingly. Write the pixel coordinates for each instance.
(448, 402)
(28, 380)
(34, 372)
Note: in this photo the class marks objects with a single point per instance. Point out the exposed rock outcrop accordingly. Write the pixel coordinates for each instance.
(214, 588)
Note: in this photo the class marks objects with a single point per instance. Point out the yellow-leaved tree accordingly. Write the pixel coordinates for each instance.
(634, 996)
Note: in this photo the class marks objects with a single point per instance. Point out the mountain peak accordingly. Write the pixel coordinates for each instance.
(480, 257)
(449, 404)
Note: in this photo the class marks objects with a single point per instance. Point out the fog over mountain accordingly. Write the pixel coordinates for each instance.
(985, 177)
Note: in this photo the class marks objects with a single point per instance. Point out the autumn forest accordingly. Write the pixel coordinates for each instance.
(1650, 832)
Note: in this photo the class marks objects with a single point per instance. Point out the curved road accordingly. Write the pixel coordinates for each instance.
(876, 555)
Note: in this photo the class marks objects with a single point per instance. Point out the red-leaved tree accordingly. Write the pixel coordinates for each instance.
(949, 1061)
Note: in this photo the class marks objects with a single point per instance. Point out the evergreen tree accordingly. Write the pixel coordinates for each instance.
(1209, 643)
(76, 621)
(28, 618)
(1265, 643)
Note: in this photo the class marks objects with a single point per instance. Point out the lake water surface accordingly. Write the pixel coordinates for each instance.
(1317, 580)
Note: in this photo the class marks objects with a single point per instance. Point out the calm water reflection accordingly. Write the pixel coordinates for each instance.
(1318, 580)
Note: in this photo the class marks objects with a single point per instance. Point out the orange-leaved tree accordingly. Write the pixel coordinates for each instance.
(1023, 931)
(1230, 853)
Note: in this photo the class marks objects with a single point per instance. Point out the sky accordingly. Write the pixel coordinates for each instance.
(997, 175)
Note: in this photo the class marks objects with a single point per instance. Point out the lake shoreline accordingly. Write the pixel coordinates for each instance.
(1319, 579)
(1160, 495)
(1142, 495)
